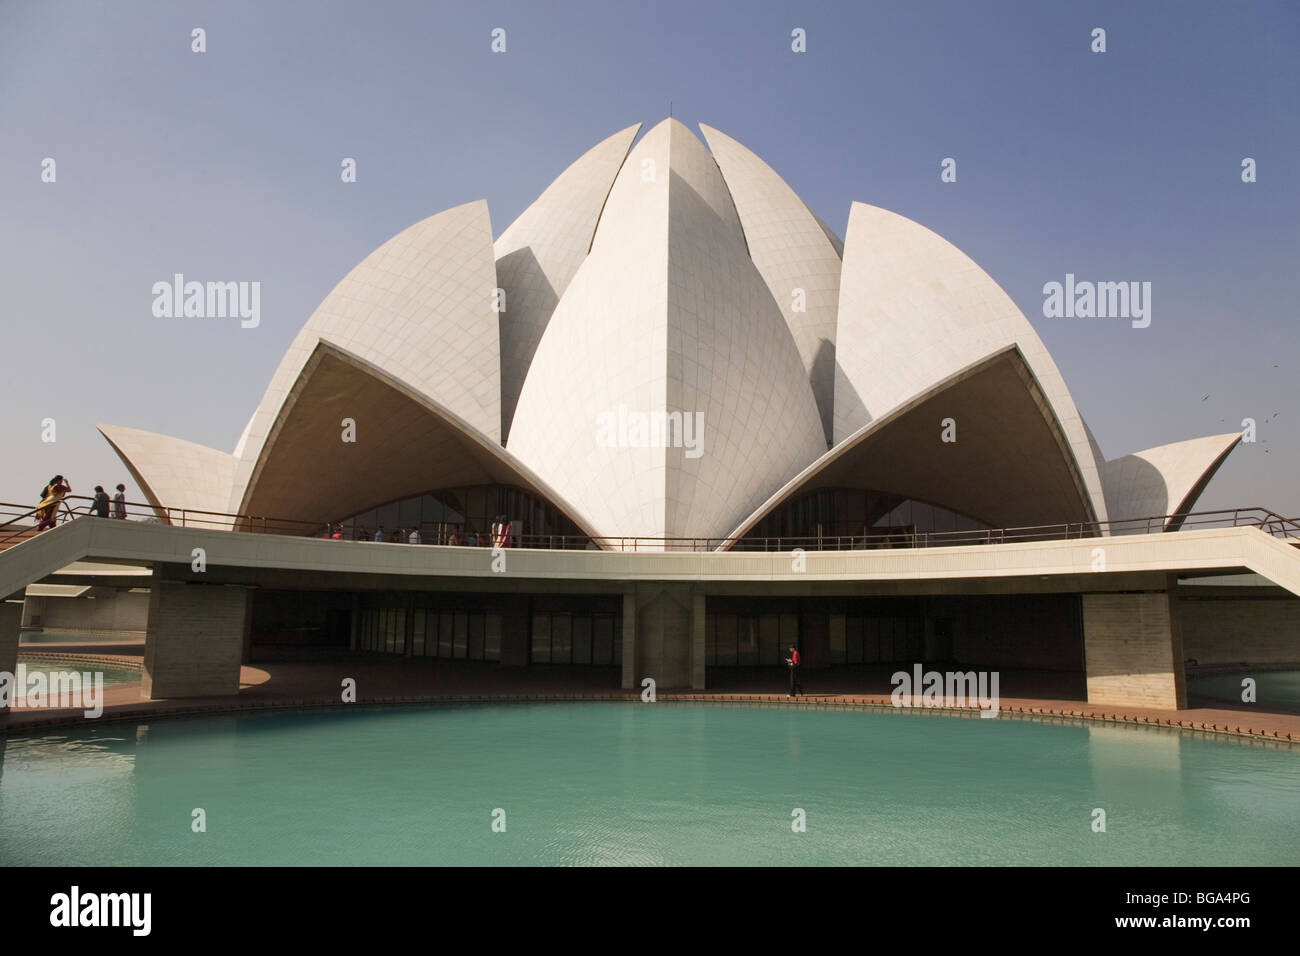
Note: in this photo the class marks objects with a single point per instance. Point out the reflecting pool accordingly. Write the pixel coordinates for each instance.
(665, 783)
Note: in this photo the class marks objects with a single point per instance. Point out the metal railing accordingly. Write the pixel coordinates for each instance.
(12, 530)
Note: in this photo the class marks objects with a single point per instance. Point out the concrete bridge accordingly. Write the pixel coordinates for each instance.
(1132, 593)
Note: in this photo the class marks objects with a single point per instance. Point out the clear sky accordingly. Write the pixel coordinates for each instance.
(1123, 165)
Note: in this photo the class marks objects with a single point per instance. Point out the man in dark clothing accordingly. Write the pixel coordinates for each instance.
(99, 507)
(792, 662)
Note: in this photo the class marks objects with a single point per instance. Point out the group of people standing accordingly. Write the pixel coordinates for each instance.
(58, 488)
(501, 535)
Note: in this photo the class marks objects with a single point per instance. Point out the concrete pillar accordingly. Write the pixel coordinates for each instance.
(664, 634)
(194, 639)
(33, 612)
(246, 635)
(11, 618)
(697, 640)
(1134, 650)
(629, 640)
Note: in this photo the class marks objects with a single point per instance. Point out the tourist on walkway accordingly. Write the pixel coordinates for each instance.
(99, 507)
(792, 662)
(363, 534)
(119, 503)
(414, 536)
(47, 512)
(379, 534)
(501, 532)
(471, 539)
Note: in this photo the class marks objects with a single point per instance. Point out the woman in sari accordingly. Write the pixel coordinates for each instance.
(47, 512)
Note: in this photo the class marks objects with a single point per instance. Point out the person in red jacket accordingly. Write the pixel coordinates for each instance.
(792, 662)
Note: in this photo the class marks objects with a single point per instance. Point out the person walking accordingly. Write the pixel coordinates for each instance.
(792, 662)
(379, 534)
(99, 507)
(414, 537)
(119, 503)
(47, 512)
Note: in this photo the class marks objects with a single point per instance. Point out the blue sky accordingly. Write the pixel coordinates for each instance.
(225, 165)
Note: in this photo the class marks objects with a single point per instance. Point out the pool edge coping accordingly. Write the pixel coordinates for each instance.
(10, 724)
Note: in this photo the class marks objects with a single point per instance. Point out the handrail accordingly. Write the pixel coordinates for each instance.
(909, 537)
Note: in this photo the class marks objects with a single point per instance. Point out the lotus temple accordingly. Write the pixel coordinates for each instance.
(714, 428)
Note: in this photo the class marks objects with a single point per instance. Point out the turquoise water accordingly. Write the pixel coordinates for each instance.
(640, 784)
(112, 674)
(1272, 688)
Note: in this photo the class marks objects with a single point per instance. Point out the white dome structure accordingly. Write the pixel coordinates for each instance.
(669, 344)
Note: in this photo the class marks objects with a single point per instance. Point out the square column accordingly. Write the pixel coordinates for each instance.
(195, 639)
(697, 641)
(629, 640)
(11, 617)
(1134, 649)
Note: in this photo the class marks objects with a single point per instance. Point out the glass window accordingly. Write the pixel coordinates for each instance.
(541, 638)
(477, 627)
(431, 634)
(769, 640)
(748, 631)
(492, 638)
(582, 640)
(789, 633)
(728, 630)
(871, 640)
(417, 638)
(603, 639)
(561, 639)
(408, 512)
(445, 629)
(839, 636)
(710, 640)
(460, 637)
